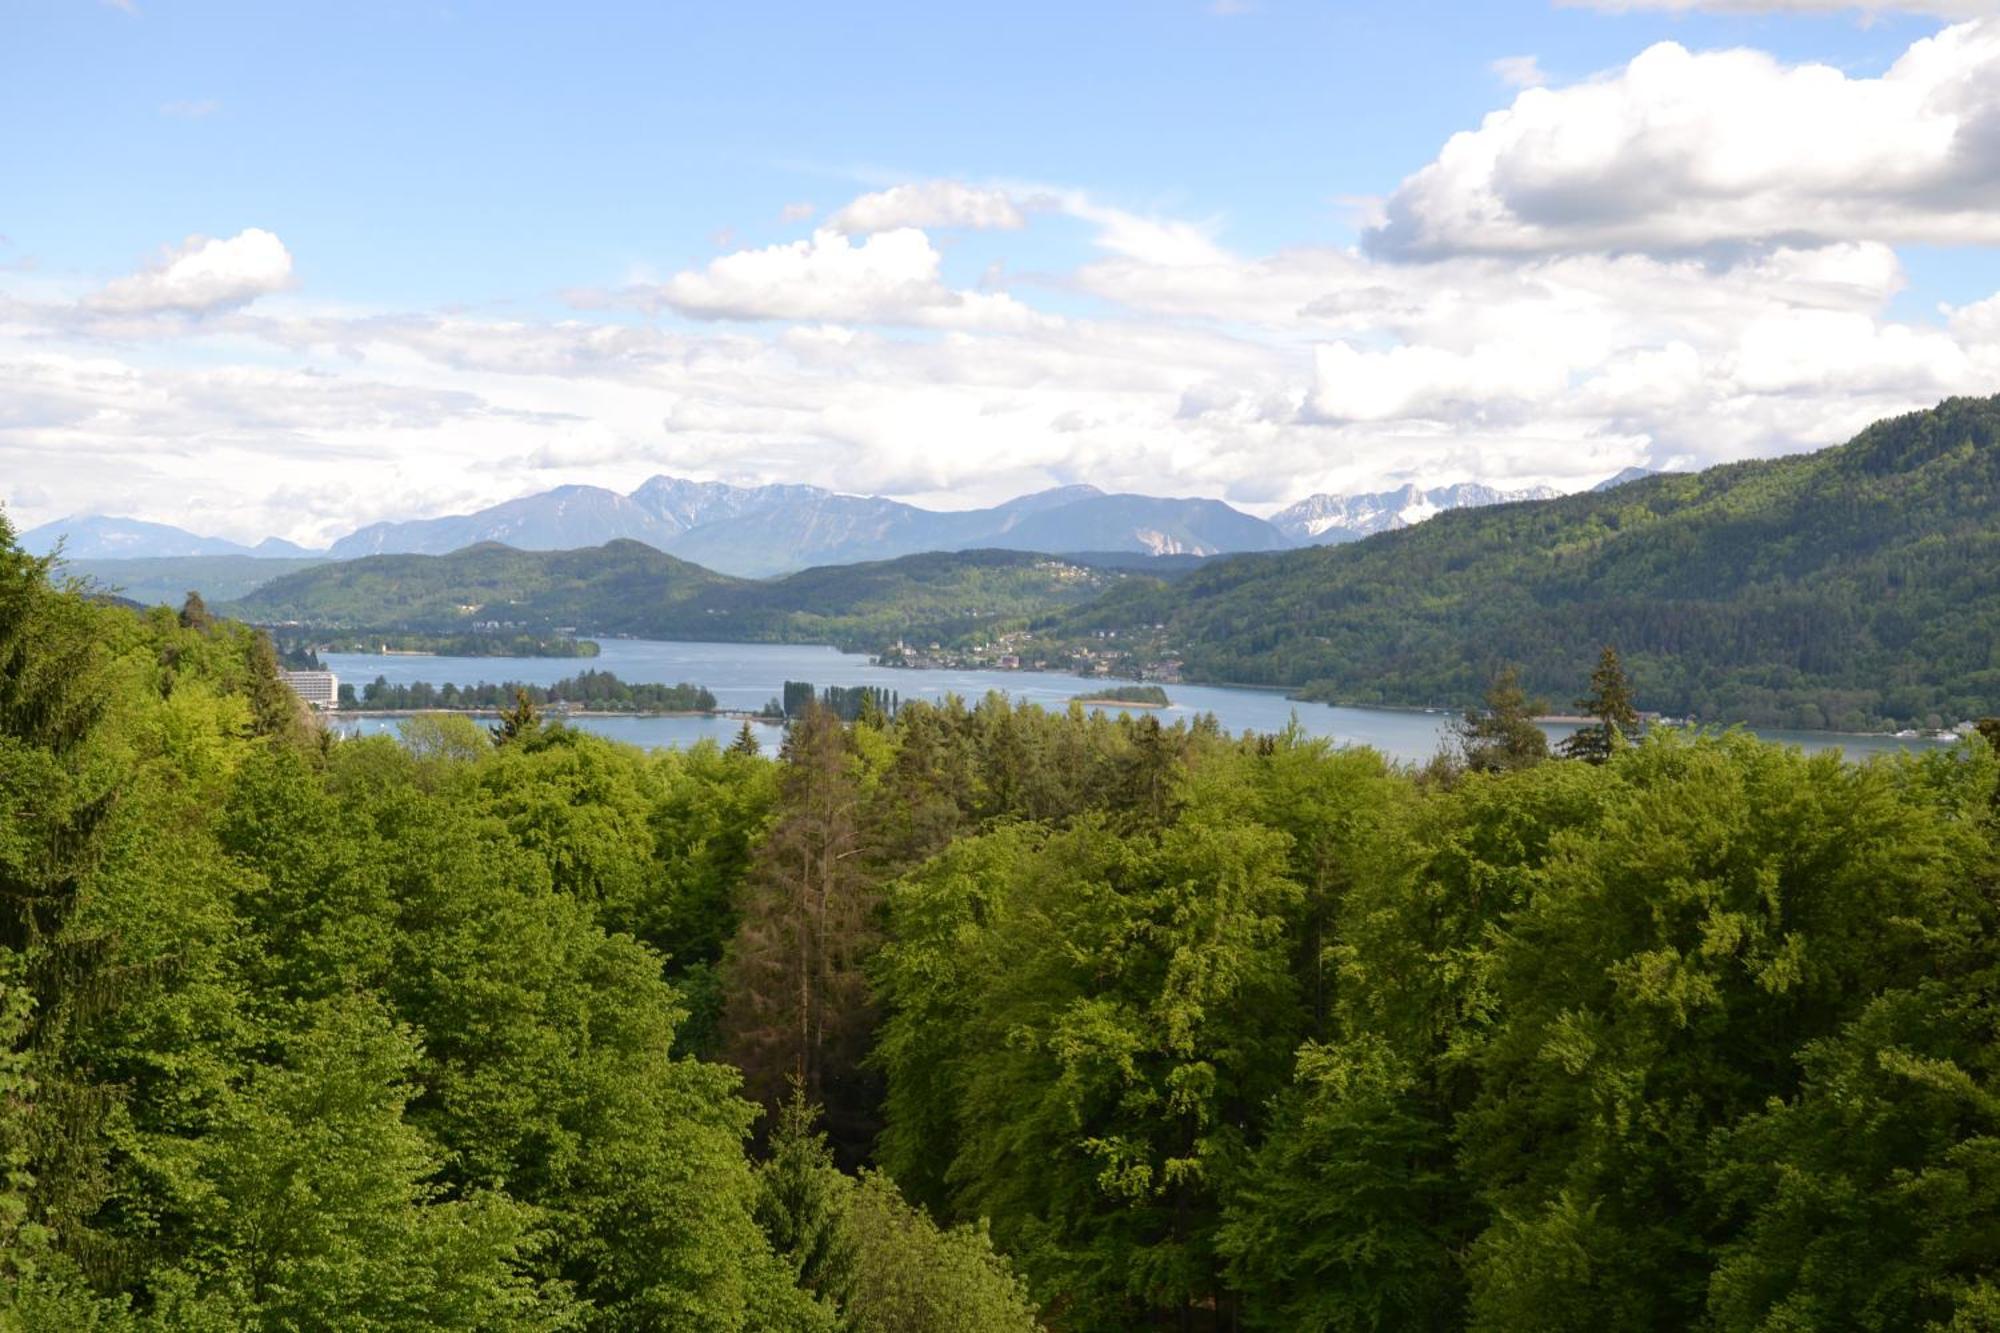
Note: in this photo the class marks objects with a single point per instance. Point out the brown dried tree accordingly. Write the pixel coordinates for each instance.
(798, 1012)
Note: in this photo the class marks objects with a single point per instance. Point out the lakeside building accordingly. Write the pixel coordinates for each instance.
(320, 689)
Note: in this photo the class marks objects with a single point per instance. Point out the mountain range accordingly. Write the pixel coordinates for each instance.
(762, 531)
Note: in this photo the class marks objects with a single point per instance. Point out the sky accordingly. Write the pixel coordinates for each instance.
(282, 270)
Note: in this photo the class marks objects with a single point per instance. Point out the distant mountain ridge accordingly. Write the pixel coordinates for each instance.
(763, 531)
(97, 537)
(760, 531)
(1323, 520)
(1625, 475)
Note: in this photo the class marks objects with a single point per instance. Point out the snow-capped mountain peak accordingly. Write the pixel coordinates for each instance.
(1326, 519)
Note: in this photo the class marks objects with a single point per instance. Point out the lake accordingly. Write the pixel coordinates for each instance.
(748, 675)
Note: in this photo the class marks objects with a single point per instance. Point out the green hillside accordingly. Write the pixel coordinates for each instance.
(1850, 588)
(628, 588)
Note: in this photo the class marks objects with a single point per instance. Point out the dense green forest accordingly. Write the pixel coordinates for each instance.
(846, 702)
(599, 690)
(1852, 588)
(1151, 696)
(628, 588)
(460, 645)
(980, 1017)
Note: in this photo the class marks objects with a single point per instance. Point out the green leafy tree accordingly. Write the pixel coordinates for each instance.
(307, 1205)
(1350, 1215)
(1732, 904)
(1121, 1013)
(911, 1276)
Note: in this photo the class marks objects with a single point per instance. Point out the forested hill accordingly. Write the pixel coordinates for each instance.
(1847, 588)
(625, 587)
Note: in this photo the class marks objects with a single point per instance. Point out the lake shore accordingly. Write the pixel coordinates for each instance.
(553, 714)
(744, 677)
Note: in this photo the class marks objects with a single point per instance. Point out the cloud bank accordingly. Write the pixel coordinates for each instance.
(1690, 259)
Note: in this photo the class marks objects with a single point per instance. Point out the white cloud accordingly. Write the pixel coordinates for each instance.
(205, 274)
(888, 277)
(931, 204)
(1679, 151)
(1165, 242)
(1432, 383)
(1520, 71)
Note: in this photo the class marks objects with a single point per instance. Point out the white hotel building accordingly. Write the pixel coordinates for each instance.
(321, 689)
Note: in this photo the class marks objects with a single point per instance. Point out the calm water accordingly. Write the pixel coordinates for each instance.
(747, 675)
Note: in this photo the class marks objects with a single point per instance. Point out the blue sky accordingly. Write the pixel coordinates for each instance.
(443, 179)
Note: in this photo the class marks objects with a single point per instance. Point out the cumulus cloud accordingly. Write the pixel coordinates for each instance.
(888, 277)
(1680, 151)
(931, 204)
(205, 274)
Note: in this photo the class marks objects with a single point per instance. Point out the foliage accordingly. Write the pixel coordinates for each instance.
(797, 1012)
(598, 691)
(1151, 696)
(911, 1276)
(1503, 735)
(1609, 704)
(1128, 1024)
(486, 644)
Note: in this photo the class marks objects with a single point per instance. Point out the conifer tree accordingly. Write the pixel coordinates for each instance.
(1610, 702)
(798, 1006)
(194, 613)
(746, 741)
(800, 1199)
(1503, 734)
(520, 722)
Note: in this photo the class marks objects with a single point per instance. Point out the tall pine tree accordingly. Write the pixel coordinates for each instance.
(1610, 702)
